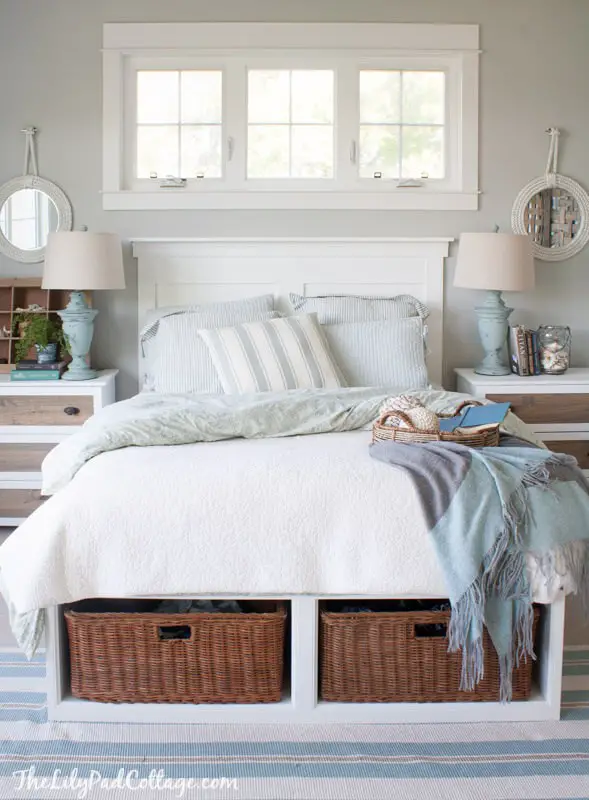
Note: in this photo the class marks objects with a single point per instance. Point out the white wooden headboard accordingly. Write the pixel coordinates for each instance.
(191, 271)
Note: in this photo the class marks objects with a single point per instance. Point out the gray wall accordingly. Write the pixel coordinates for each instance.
(533, 74)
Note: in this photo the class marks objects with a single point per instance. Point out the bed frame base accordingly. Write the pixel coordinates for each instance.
(301, 703)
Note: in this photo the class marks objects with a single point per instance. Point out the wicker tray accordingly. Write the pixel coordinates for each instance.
(394, 657)
(211, 658)
(484, 436)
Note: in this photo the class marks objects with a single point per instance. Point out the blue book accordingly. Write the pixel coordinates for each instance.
(473, 416)
(35, 375)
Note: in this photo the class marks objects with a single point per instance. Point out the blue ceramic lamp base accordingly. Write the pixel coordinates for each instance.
(493, 316)
(78, 326)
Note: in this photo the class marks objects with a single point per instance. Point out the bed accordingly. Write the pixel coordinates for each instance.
(201, 271)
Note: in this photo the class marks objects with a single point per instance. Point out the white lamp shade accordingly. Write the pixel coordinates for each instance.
(78, 260)
(501, 261)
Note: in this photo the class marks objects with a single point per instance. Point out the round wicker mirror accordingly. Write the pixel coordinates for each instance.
(553, 210)
(30, 208)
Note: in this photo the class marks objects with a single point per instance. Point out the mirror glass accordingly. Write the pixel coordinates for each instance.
(27, 217)
(552, 218)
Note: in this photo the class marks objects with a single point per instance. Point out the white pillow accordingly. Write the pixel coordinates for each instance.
(175, 356)
(387, 353)
(333, 309)
(273, 356)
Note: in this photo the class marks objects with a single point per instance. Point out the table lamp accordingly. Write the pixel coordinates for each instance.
(81, 261)
(494, 262)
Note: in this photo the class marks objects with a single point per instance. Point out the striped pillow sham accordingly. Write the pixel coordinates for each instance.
(387, 353)
(273, 356)
(175, 357)
(334, 309)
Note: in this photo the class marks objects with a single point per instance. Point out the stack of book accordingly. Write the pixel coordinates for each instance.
(30, 370)
(524, 351)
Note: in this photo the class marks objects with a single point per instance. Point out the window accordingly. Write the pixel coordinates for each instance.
(290, 124)
(402, 124)
(179, 123)
(230, 115)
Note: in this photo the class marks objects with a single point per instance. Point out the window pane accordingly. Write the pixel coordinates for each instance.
(158, 95)
(268, 151)
(312, 151)
(312, 95)
(22, 203)
(423, 152)
(423, 97)
(157, 151)
(23, 234)
(379, 96)
(268, 95)
(201, 95)
(379, 151)
(201, 151)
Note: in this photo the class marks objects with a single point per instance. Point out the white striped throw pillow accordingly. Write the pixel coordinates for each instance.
(272, 356)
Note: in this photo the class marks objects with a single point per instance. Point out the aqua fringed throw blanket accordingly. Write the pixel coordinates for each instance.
(486, 508)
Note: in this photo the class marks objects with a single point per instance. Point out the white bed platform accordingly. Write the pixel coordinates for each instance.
(181, 271)
(301, 702)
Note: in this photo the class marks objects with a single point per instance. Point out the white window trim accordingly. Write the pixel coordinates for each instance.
(453, 48)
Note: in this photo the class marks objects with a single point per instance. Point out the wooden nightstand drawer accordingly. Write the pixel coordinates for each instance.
(19, 503)
(68, 410)
(19, 457)
(547, 408)
(579, 448)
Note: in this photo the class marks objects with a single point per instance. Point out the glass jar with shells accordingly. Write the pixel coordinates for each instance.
(554, 343)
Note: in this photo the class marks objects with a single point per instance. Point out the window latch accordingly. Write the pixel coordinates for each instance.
(171, 182)
(409, 183)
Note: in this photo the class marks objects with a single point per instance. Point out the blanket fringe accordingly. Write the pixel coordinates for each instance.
(503, 575)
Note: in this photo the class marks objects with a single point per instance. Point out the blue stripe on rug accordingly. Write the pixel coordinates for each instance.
(288, 749)
(576, 655)
(16, 657)
(325, 769)
(33, 671)
(575, 669)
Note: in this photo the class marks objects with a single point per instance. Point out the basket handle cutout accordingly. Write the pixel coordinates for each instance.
(437, 630)
(173, 632)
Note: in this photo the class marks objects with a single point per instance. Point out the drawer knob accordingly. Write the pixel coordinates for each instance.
(71, 411)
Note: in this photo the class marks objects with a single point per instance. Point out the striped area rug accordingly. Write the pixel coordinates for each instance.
(531, 761)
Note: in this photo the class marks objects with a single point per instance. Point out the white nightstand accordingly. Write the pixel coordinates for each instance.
(556, 407)
(34, 416)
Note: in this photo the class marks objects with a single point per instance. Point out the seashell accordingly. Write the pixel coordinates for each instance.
(423, 419)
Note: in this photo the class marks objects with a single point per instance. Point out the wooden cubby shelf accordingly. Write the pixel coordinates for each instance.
(20, 293)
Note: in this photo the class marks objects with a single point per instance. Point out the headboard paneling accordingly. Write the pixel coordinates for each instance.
(194, 271)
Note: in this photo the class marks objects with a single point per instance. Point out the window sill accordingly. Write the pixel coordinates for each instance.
(396, 200)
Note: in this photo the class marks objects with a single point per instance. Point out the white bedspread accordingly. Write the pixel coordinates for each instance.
(303, 514)
(315, 514)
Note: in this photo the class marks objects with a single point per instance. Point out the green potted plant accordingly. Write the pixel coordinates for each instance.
(41, 332)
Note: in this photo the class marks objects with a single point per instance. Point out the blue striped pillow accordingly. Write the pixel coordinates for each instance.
(273, 356)
(333, 309)
(387, 353)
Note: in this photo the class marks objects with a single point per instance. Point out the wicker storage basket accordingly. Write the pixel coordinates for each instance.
(177, 658)
(394, 657)
(485, 436)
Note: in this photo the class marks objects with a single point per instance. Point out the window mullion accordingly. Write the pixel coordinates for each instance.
(401, 125)
(347, 124)
(180, 172)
